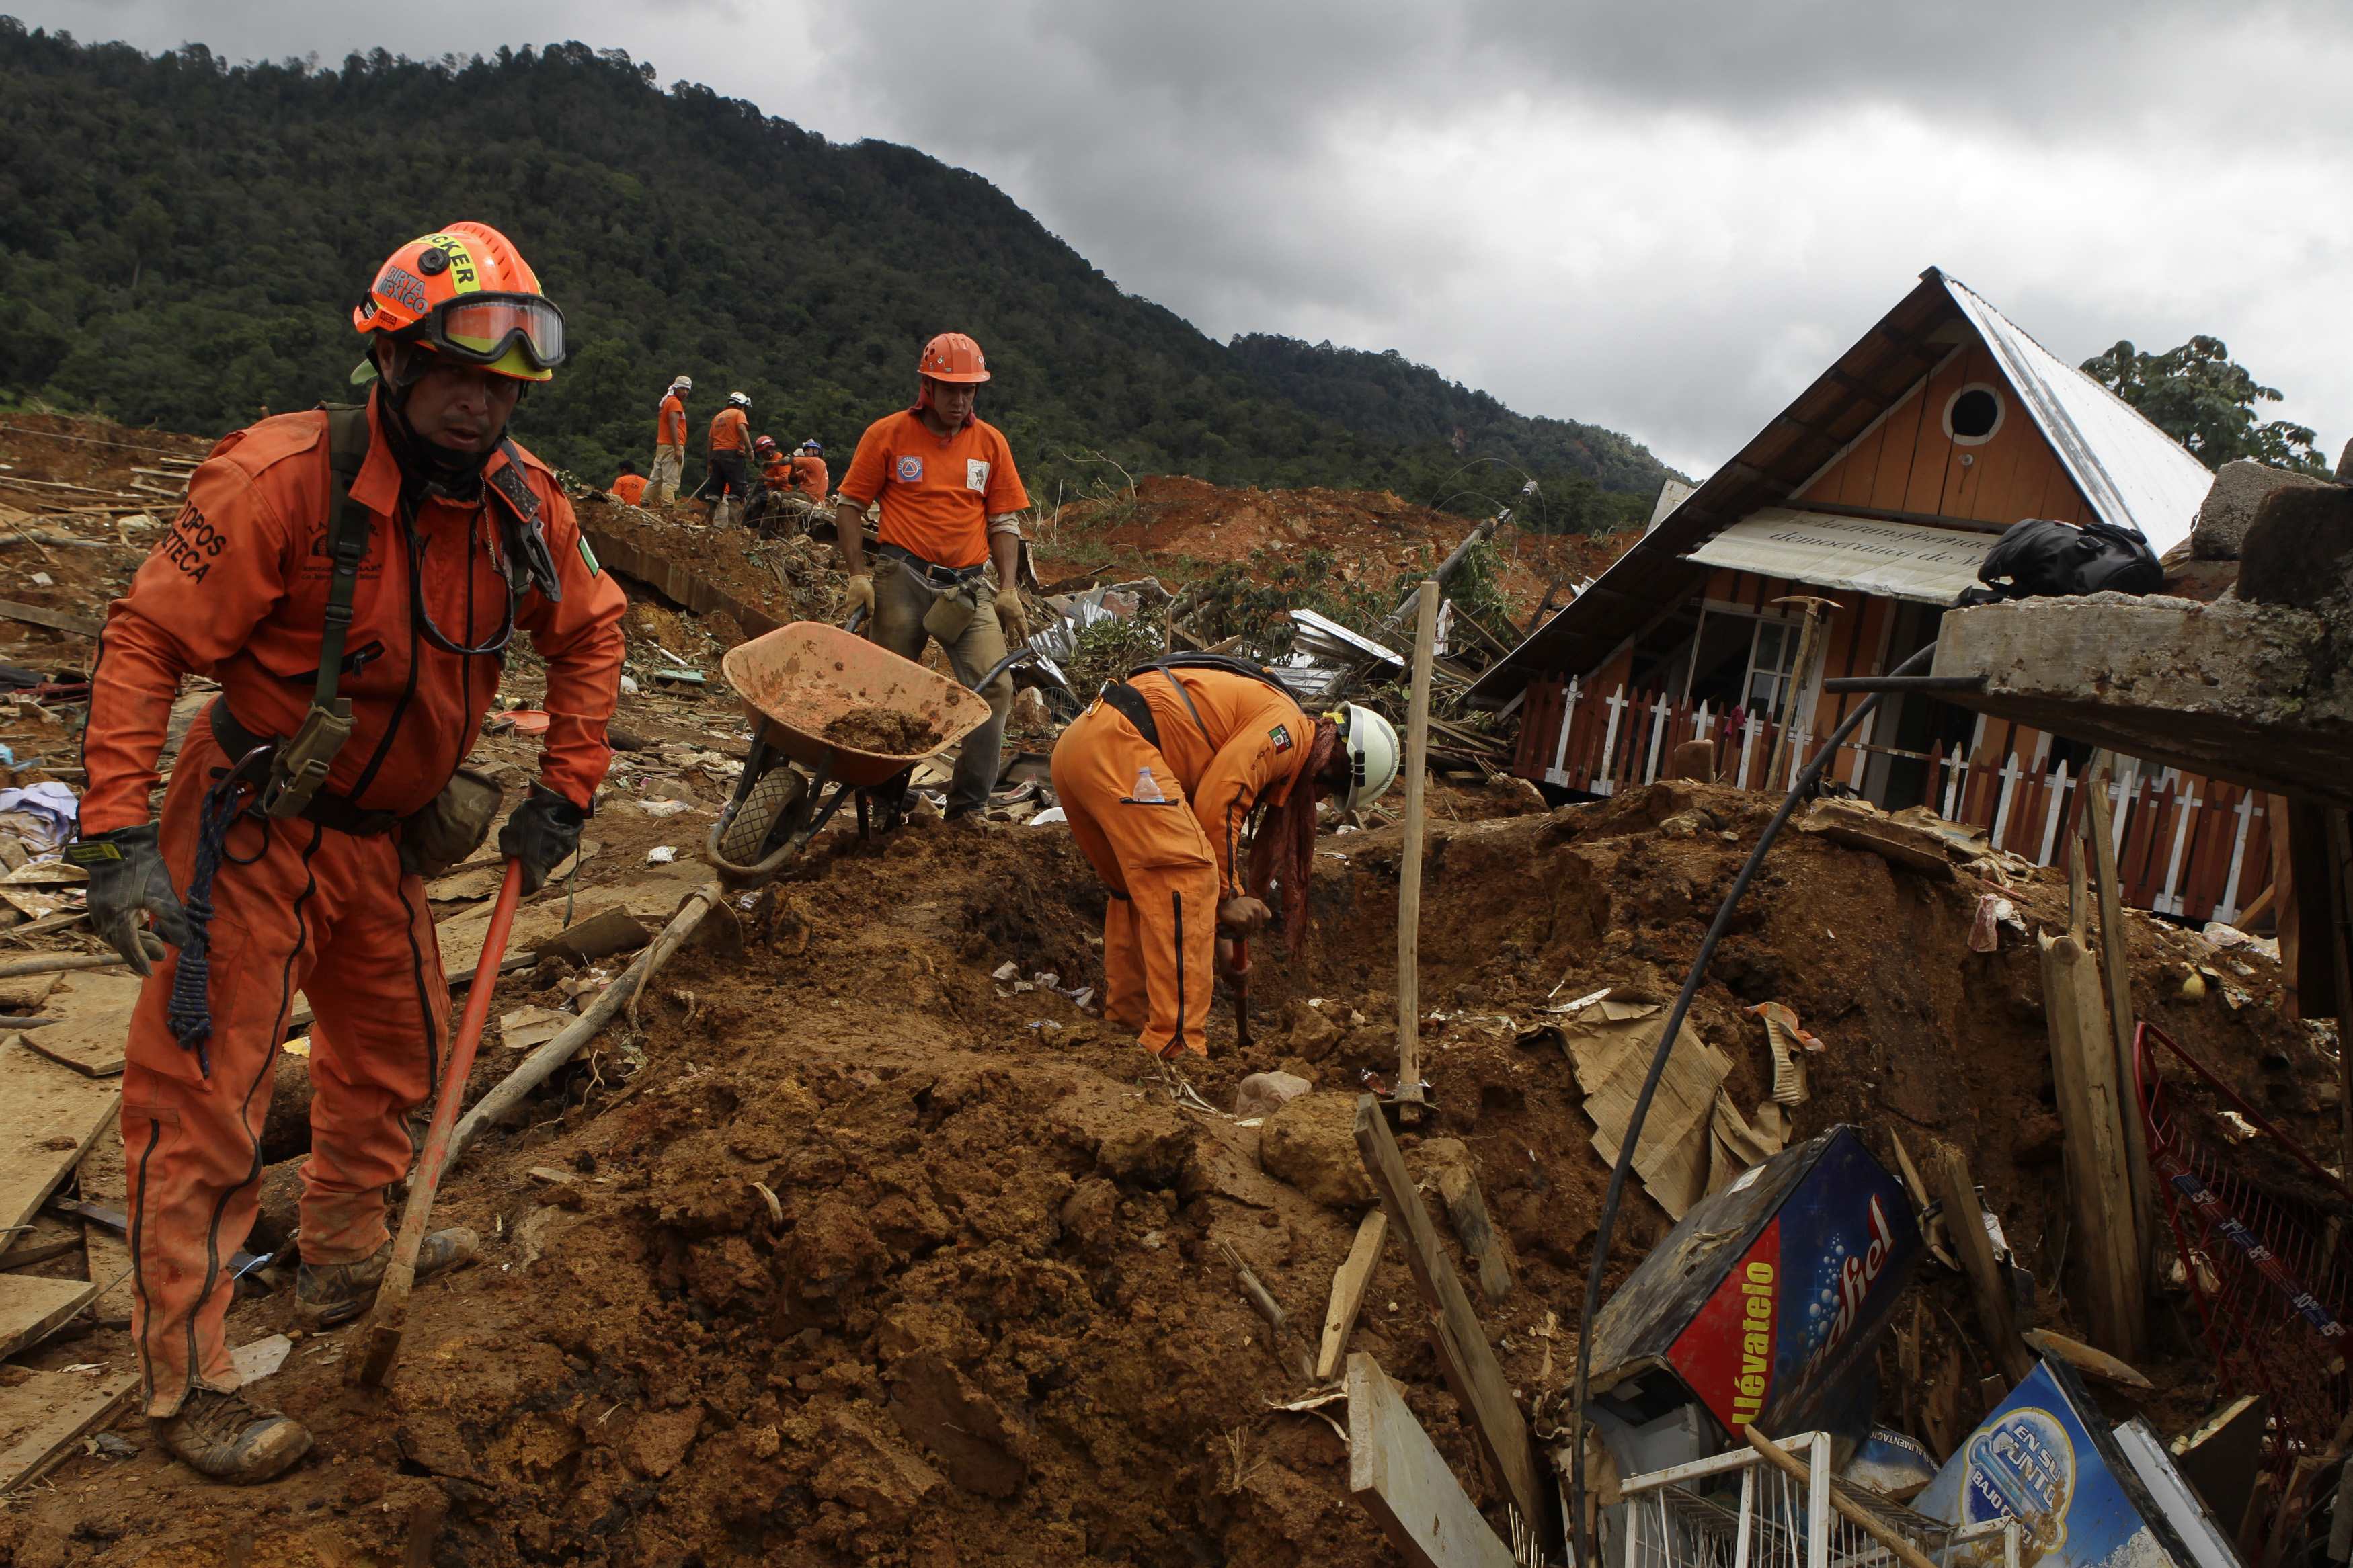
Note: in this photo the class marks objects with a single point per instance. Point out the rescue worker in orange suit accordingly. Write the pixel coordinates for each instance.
(629, 486)
(729, 482)
(270, 879)
(809, 471)
(1161, 779)
(951, 504)
(670, 441)
(766, 508)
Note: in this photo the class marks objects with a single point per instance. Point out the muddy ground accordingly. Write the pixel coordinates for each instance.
(849, 1253)
(991, 1325)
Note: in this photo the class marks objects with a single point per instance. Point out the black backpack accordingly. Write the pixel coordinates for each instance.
(2044, 559)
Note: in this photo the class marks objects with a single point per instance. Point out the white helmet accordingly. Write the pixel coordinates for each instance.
(1373, 756)
(682, 383)
(739, 400)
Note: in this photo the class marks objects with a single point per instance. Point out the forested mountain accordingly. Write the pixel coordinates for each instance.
(181, 241)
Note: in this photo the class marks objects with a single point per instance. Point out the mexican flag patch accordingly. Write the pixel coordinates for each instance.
(1280, 736)
(588, 557)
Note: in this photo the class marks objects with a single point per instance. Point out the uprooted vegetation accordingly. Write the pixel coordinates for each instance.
(877, 1259)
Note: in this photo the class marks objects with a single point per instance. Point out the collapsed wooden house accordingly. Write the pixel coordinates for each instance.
(1871, 500)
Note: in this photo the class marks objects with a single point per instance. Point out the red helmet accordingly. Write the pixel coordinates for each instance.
(952, 356)
(764, 444)
(468, 293)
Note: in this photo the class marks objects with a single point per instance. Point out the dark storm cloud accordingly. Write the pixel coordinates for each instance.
(1664, 217)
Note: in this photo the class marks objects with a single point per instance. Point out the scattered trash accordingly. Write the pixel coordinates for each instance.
(260, 1357)
(527, 1026)
(1786, 1039)
(1052, 814)
(43, 579)
(51, 811)
(664, 807)
(1264, 1093)
(1993, 912)
(660, 854)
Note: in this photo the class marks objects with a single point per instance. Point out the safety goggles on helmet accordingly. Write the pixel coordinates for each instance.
(516, 334)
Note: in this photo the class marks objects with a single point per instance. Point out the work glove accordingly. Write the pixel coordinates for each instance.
(127, 880)
(1012, 617)
(540, 833)
(858, 594)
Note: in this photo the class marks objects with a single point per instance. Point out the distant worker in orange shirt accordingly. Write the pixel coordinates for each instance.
(1160, 779)
(766, 508)
(730, 479)
(630, 486)
(952, 502)
(808, 470)
(670, 441)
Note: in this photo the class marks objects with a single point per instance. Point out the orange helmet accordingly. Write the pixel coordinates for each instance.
(468, 293)
(952, 356)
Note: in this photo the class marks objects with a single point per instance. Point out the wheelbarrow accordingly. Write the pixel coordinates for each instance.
(798, 681)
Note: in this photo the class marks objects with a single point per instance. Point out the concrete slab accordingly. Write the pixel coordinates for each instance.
(2256, 694)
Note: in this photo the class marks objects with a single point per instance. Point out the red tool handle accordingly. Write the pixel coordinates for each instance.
(400, 1275)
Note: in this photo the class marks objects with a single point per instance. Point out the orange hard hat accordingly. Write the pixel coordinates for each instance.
(952, 356)
(467, 292)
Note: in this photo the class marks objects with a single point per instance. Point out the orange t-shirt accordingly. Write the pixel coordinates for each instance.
(777, 473)
(670, 428)
(937, 495)
(730, 431)
(809, 474)
(631, 488)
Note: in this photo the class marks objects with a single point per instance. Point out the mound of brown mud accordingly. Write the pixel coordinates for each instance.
(887, 731)
(879, 1259)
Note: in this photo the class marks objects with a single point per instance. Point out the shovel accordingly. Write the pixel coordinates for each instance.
(391, 1313)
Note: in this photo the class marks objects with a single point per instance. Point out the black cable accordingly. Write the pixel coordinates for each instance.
(1633, 1133)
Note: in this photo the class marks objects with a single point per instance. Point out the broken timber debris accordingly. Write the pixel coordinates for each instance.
(1400, 1479)
(1965, 1225)
(1459, 1189)
(1456, 1334)
(1348, 1285)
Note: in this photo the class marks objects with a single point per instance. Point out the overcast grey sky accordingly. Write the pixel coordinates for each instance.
(1662, 217)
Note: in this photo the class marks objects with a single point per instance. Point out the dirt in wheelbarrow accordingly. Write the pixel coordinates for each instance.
(854, 1252)
(889, 732)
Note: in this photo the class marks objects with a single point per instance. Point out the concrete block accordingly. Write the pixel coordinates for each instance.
(2257, 694)
(2239, 493)
(2300, 548)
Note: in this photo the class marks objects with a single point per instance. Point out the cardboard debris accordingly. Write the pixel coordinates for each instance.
(1608, 1045)
(527, 1026)
(1786, 1039)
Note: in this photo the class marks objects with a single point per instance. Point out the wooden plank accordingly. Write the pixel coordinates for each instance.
(57, 620)
(30, 1307)
(48, 1238)
(1417, 763)
(1398, 1476)
(106, 1180)
(1467, 1207)
(1948, 1169)
(48, 1115)
(1349, 1282)
(2115, 967)
(1464, 1356)
(43, 1417)
(2091, 1112)
(94, 1021)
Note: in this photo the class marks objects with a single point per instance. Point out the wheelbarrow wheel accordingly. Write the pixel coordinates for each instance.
(772, 813)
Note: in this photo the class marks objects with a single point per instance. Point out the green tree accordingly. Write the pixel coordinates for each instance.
(2204, 399)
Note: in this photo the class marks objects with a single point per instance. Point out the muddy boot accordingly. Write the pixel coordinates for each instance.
(230, 1438)
(329, 1295)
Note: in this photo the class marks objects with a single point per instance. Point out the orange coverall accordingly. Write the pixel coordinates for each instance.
(237, 591)
(1163, 827)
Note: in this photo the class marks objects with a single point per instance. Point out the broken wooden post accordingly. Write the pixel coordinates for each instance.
(1417, 757)
(1464, 1356)
(1348, 1283)
(1397, 1474)
(2115, 963)
(2091, 1111)
(1964, 1226)
(1468, 1209)
(540, 1066)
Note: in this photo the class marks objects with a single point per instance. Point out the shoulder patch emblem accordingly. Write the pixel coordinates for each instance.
(911, 469)
(588, 557)
(1280, 736)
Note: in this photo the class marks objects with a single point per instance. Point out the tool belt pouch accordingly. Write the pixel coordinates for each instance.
(452, 824)
(952, 611)
(301, 765)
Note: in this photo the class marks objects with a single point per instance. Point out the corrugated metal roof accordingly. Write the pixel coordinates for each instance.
(2130, 472)
(2134, 474)
(1901, 560)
